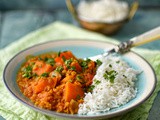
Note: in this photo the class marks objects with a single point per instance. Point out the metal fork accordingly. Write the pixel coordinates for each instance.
(124, 47)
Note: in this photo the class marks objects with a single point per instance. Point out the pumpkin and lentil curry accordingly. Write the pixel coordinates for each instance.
(56, 81)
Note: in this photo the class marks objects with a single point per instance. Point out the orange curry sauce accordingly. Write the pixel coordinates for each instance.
(56, 81)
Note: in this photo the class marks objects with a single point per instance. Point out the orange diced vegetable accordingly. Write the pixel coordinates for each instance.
(40, 86)
(43, 83)
(72, 91)
(88, 78)
(91, 65)
(41, 67)
(66, 79)
(67, 55)
(59, 61)
(77, 66)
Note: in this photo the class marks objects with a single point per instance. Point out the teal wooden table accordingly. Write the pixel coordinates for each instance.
(15, 23)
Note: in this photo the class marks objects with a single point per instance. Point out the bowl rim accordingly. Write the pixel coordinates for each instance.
(64, 115)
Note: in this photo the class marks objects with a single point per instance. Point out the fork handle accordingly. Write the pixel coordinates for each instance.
(144, 38)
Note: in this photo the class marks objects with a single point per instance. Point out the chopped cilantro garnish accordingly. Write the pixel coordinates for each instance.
(59, 53)
(68, 62)
(50, 61)
(73, 68)
(84, 64)
(98, 62)
(88, 60)
(78, 77)
(124, 76)
(64, 59)
(27, 72)
(45, 75)
(28, 69)
(118, 61)
(59, 69)
(91, 88)
(110, 75)
(97, 81)
(27, 75)
(110, 65)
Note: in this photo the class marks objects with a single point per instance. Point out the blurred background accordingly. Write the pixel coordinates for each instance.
(19, 17)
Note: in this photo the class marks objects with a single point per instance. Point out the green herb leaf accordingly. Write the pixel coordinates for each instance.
(27, 75)
(64, 59)
(28, 69)
(117, 61)
(68, 62)
(27, 72)
(45, 75)
(124, 76)
(78, 77)
(84, 64)
(73, 68)
(105, 76)
(59, 69)
(59, 53)
(110, 65)
(111, 75)
(50, 61)
(91, 88)
(98, 62)
(97, 81)
(88, 60)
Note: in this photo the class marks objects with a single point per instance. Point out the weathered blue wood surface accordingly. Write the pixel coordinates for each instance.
(17, 23)
(19, 17)
(144, 20)
(55, 4)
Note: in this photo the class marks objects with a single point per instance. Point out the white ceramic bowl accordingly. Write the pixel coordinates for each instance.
(82, 48)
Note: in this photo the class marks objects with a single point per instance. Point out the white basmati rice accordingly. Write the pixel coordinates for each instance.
(103, 10)
(110, 92)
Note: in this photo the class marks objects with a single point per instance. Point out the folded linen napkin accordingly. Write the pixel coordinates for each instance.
(11, 109)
